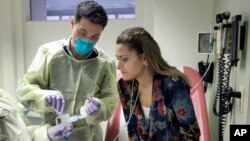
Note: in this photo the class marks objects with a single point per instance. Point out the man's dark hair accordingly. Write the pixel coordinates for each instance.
(93, 11)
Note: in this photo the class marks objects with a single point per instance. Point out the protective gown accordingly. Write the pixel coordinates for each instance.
(54, 69)
(13, 126)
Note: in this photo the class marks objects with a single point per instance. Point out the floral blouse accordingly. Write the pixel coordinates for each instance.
(171, 117)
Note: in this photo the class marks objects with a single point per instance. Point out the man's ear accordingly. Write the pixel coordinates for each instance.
(72, 22)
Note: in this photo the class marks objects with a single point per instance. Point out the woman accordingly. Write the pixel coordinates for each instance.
(154, 95)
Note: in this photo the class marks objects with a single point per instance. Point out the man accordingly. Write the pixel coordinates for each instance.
(13, 123)
(74, 76)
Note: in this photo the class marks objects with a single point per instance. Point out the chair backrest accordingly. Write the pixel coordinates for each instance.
(115, 123)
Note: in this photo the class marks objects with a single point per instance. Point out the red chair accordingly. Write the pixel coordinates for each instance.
(115, 128)
(199, 102)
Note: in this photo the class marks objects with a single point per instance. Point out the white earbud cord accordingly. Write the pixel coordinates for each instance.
(132, 107)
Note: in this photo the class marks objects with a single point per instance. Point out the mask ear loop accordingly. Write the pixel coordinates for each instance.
(75, 29)
(75, 34)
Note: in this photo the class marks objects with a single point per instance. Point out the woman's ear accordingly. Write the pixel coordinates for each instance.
(145, 63)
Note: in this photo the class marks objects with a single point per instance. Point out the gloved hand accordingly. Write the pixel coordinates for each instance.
(55, 100)
(59, 131)
(91, 105)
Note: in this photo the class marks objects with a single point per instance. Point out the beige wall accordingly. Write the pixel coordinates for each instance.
(7, 49)
(176, 27)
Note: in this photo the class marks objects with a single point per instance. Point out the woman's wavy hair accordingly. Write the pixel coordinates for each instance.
(138, 39)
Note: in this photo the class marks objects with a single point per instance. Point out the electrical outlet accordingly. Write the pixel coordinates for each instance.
(241, 99)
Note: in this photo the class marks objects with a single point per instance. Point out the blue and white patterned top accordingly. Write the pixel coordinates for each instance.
(172, 116)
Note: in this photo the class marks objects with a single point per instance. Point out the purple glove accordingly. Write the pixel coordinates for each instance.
(59, 131)
(56, 101)
(92, 106)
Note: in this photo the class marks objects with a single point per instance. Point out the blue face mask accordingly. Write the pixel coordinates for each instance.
(83, 46)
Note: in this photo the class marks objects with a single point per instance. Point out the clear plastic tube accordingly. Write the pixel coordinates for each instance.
(75, 118)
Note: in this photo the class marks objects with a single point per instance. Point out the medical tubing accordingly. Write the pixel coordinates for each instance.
(133, 104)
(69, 120)
(57, 112)
(75, 118)
(193, 88)
(65, 138)
(116, 137)
(131, 110)
(208, 68)
(131, 97)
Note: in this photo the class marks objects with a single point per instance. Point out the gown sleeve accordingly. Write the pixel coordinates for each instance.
(108, 95)
(32, 91)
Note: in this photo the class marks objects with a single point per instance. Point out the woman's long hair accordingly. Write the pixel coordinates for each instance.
(138, 39)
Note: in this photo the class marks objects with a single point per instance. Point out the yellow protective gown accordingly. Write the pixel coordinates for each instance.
(13, 125)
(54, 69)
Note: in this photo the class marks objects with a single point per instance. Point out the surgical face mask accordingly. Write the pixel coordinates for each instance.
(83, 46)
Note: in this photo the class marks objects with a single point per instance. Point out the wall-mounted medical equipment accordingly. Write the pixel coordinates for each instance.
(229, 38)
